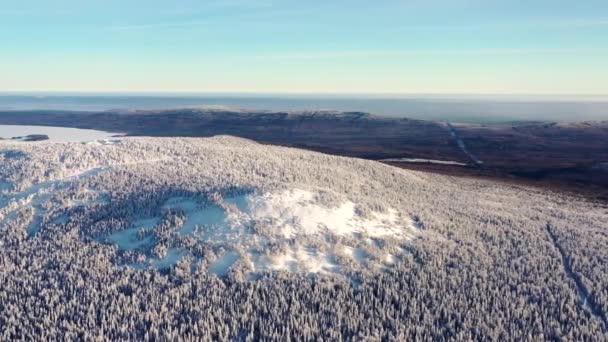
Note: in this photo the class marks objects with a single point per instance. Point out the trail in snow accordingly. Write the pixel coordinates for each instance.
(461, 144)
(581, 290)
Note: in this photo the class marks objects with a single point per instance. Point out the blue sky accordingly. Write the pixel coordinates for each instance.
(313, 46)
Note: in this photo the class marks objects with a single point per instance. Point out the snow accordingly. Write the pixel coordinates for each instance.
(90, 197)
(289, 227)
(390, 259)
(198, 218)
(416, 225)
(181, 203)
(428, 161)
(280, 216)
(357, 254)
(305, 259)
(38, 194)
(5, 186)
(222, 265)
(128, 239)
(209, 217)
(245, 226)
(174, 255)
(59, 134)
(297, 212)
(239, 202)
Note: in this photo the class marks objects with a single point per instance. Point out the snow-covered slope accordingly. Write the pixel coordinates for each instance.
(213, 203)
(226, 239)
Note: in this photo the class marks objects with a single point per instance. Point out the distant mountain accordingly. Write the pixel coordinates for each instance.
(565, 153)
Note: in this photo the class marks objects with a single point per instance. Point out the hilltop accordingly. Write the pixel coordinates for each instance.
(151, 238)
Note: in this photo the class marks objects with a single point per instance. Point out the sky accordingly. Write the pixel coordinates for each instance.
(312, 46)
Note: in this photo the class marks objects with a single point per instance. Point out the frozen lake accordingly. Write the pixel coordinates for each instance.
(54, 133)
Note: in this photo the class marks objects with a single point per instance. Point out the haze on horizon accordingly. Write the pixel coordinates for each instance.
(238, 46)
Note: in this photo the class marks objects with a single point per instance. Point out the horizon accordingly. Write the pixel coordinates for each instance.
(311, 95)
(287, 47)
(471, 108)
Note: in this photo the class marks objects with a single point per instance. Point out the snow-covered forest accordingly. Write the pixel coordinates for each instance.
(225, 239)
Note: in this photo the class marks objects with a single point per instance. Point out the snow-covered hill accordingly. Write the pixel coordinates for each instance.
(202, 229)
(223, 204)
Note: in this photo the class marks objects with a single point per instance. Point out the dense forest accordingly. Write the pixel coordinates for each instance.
(471, 259)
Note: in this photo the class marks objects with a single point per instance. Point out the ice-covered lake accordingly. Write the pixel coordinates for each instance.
(54, 133)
